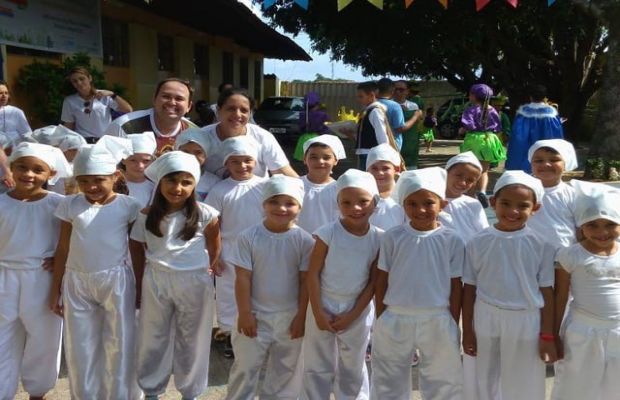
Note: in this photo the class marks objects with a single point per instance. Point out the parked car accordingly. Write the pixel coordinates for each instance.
(449, 117)
(280, 116)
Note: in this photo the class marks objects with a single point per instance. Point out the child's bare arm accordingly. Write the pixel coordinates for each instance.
(246, 323)
(298, 324)
(469, 335)
(60, 261)
(213, 242)
(344, 320)
(456, 296)
(313, 277)
(380, 290)
(562, 288)
(547, 348)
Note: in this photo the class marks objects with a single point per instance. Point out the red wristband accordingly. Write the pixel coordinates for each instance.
(547, 337)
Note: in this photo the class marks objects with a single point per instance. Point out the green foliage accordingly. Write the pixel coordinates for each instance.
(599, 168)
(47, 85)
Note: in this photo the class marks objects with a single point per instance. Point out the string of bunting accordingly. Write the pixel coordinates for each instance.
(480, 4)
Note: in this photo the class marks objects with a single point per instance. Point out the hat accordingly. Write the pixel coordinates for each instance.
(71, 142)
(594, 201)
(282, 184)
(481, 91)
(143, 143)
(102, 157)
(173, 161)
(520, 178)
(382, 152)
(332, 141)
(354, 178)
(467, 157)
(194, 135)
(50, 155)
(566, 150)
(239, 146)
(432, 179)
(58, 136)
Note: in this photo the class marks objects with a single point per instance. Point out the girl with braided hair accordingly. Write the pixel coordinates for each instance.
(480, 122)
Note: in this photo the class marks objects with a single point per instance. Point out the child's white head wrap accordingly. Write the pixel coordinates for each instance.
(194, 135)
(173, 161)
(58, 136)
(520, 178)
(332, 141)
(50, 155)
(432, 179)
(594, 201)
(282, 184)
(382, 152)
(564, 148)
(103, 157)
(354, 178)
(243, 145)
(71, 142)
(143, 143)
(467, 157)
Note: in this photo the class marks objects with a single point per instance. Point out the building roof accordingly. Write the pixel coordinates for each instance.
(227, 18)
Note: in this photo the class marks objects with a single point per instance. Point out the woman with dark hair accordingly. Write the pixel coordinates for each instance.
(89, 111)
(234, 108)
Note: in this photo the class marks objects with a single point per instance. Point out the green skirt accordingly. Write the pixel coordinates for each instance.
(298, 154)
(428, 135)
(486, 146)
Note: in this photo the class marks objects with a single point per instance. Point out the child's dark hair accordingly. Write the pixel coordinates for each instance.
(159, 209)
(538, 93)
(385, 85)
(368, 87)
(548, 150)
(120, 186)
(318, 145)
(430, 111)
(223, 97)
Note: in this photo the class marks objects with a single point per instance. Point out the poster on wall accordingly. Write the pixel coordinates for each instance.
(62, 26)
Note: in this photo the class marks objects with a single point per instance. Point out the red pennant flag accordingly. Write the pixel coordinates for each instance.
(513, 3)
(480, 4)
(408, 3)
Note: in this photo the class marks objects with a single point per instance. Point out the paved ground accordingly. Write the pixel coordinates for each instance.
(218, 371)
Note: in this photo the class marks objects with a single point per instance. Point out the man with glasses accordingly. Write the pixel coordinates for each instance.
(394, 113)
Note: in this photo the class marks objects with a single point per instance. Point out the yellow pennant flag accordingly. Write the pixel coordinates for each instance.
(377, 3)
(408, 3)
(444, 3)
(343, 3)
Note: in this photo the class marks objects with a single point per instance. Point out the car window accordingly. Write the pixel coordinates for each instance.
(282, 104)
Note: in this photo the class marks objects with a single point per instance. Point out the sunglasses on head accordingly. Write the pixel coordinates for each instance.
(87, 109)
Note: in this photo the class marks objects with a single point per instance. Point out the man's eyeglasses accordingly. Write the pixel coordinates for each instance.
(87, 109)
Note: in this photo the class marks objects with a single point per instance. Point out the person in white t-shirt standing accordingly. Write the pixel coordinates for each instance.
(13, 122)
(88, 111)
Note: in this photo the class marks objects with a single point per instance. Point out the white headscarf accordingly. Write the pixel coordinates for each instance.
(564, 148)
(332, 141)
(382, 152)
(282, 184)
(173, 161)
(594, 201)
(194, 135)
(239, 146)
(432, 179)
(467, 157)
(520, 178)
(354, 178)
(50, 155)
(143, 143)
(102, 157)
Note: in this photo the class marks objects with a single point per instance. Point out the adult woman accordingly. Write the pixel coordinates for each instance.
(234, 108)
(13, 122)
(88, 111)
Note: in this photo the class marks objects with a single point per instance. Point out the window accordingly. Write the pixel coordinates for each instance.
(227, 67)
(201, 60)
(115, 42)
(258, 75)
(244, 79)
(165, 52)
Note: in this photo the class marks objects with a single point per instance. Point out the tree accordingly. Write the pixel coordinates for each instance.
(561, 47)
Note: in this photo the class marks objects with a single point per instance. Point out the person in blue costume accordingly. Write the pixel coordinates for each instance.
(534, 121)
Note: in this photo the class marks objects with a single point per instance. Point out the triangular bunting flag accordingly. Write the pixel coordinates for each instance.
(302, 3)
(408, 3)
(513, 3)
(550, 2)
(480, 4)
(343, 3)
(377, 3)
(268, 3)
(444, 3)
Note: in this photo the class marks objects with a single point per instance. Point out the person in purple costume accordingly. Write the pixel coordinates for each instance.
(311, 122)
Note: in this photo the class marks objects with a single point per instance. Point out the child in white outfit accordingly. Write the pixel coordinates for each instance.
(29, 331)
(341, 280)
(419, 281)
(271, 259)
(383, 162)
(508, 296)
(195, 141)
(589, 338)
(138, 185)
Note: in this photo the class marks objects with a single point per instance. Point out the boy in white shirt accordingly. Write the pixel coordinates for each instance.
(270, 260)
(373, 129)
(419, 280)
(239, 200)
(384, 163)
(321, 155)
(138, 185)
(508, 296)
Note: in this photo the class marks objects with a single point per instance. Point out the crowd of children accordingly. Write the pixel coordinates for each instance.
(302, 267)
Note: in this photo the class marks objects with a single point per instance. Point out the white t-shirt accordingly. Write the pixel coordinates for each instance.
(555, 221)
(348, 261)
(92, 124)
(594, 281)
(240, 204)
(409, 105)
(205, 184)
(28, 231)
(141, 191)
(171, 251)
(320, 205)
(388, 214)
(275, 260)
(464, 215)
(270, 155)
(420, 265)
(99, 232)
(509, 268)
(13, 123)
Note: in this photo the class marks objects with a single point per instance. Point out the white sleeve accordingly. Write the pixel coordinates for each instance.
(62, 211)
(134, 210)
(546, 271)
(214, 199)
(22, 123)
(458, 257)
(138, 231)
(377, 120)
(325, 233)
(272, 154)
(67, 114)
(115, 129)
(110, 102)
(385, 253)
(307, 244)
(565, 259)
(480, 220)
(470, 274)
(242, 251)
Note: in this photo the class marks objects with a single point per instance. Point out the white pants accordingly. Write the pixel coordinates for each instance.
(272, 345)
(99, 310)
(591, 366)
(29, 333)
(336, 362)
(397, 335)
(226, 304)
(181, 301)
(508, 365)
